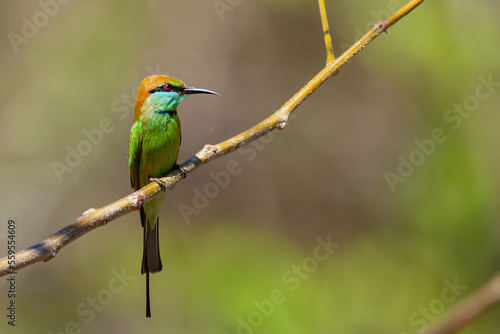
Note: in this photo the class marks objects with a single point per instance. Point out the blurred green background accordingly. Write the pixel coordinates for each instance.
(246, 260)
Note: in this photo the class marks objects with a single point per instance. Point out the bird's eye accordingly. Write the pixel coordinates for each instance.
(168, 87)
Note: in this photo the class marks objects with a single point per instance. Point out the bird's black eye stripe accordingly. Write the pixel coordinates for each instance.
(164, 89)
(158, 89)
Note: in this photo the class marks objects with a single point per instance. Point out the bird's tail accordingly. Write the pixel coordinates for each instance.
(151, 261)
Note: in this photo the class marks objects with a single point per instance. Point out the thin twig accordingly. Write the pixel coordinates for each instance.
(326, 32)
(94, 218)
(468, 309)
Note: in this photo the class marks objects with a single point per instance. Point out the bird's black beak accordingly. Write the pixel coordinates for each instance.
(194, 90)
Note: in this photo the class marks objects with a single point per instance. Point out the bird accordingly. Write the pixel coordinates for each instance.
(155, 139)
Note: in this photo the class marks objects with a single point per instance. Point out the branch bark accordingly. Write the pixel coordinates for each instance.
(93, 218)
(326, 32)
(468, 309)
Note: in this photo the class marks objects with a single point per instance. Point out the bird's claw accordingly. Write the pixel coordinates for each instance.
(181, 170)
(162, 184)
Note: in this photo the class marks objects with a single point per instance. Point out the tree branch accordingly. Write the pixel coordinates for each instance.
(326, 31)
(94, 218)
(468, 309)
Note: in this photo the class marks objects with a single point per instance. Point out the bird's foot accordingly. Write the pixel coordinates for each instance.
(181, 170)
(162, 184)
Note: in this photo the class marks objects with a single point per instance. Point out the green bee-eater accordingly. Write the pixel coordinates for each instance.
(155, 139)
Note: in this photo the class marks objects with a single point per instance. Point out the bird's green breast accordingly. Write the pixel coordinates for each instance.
(161, 139)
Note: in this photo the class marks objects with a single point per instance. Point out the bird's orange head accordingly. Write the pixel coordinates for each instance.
(163, 93)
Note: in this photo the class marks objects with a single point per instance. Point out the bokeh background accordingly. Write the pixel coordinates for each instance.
(246, 258)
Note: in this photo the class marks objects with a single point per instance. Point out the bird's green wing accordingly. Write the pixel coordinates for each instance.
(134, 154)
